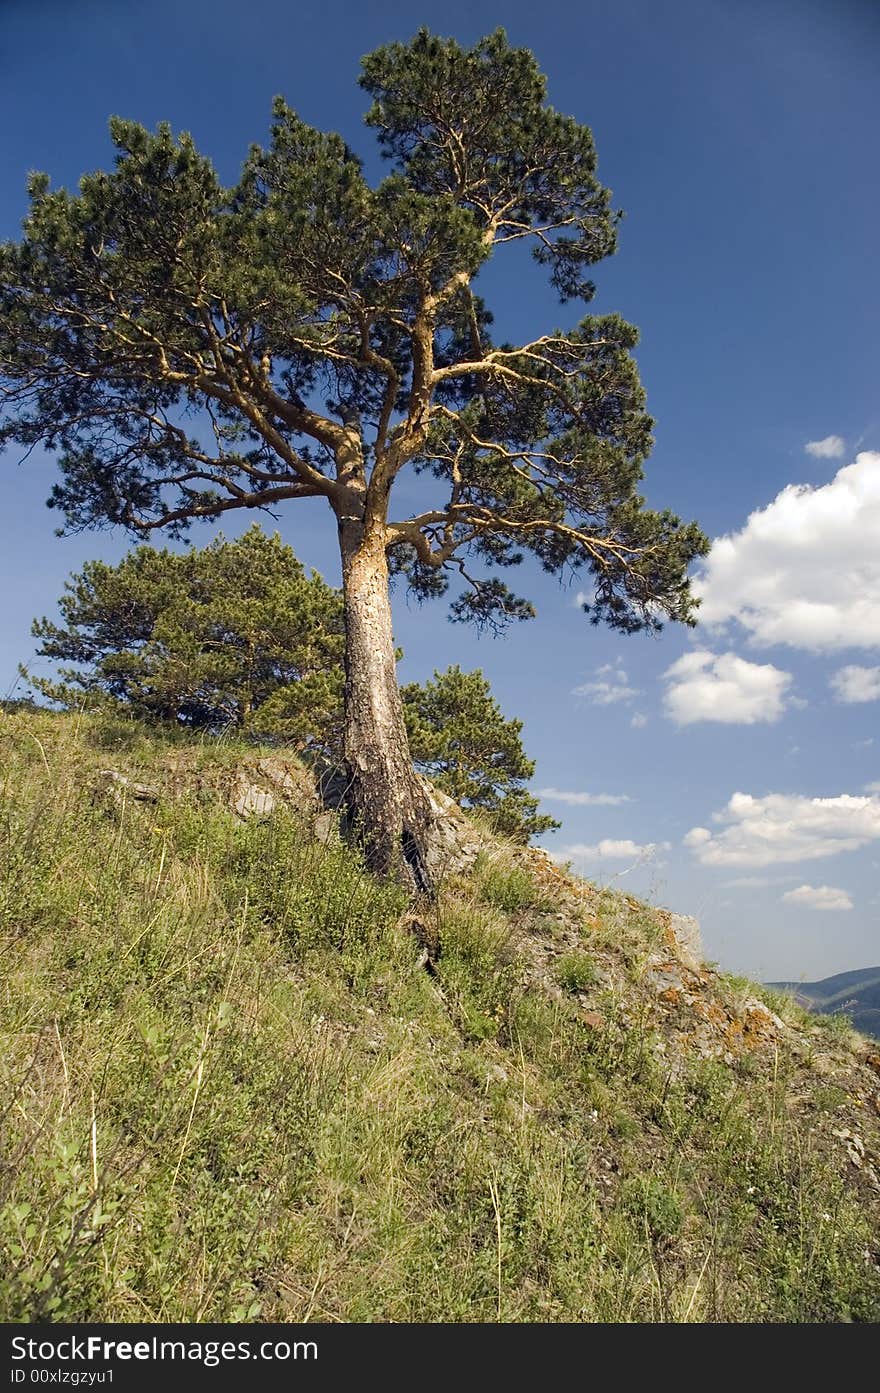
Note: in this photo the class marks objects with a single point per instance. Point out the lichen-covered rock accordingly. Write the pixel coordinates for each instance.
(454, 842)
(687, 938)
(292, 781)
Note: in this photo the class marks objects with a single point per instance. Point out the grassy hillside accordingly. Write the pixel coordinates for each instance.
(855, 994)
(236, 1085)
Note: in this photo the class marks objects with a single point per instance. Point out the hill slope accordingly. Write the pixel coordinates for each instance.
(240, 1079)
(857, 994)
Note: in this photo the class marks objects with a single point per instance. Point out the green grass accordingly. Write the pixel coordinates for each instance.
(505, 885)
(231, 1092)
(577, 971)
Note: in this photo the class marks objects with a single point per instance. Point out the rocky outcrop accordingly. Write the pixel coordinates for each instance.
(114, 789)
(263, 786)
(683, 934)
(455, 842)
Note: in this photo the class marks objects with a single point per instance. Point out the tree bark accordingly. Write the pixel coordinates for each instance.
(387, 805)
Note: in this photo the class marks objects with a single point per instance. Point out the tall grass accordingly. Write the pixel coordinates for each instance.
(230, 1091)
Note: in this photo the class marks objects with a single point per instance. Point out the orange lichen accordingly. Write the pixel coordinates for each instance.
(593, 1019)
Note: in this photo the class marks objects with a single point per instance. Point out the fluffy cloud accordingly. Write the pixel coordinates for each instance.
(610, 850)
(704, 686)
(785, 827)
(611, 685)
(639, 721)
(583, 800)
(805, 570)
(697, 836)
(854, 683)
(818, 897)
(832, 447)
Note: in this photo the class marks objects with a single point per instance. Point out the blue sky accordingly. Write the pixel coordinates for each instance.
(740, 139)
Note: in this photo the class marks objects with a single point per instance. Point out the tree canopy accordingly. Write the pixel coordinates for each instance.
(156, 289)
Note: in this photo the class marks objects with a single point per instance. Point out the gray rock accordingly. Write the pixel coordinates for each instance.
(116, 787)
(326, 827)
(249, 800)
(689, 939)
(454, 843)
(292, 782)
(289, 786)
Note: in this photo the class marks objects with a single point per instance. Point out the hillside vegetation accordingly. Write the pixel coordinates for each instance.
(242, 1079)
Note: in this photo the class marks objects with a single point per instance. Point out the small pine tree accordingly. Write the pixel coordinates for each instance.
(234, 635)
(461, 739)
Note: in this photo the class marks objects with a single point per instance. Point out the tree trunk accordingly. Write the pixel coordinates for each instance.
(387, 804)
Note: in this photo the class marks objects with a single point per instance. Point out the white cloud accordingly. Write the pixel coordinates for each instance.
(818, 897)
(832, 447)
(704, 686)
(805, 570)
(755, 882)
(785, 827)
(610, 849)
(873, 787)
(583, 800)
(610, 685)
(697, 836)
(854, 683)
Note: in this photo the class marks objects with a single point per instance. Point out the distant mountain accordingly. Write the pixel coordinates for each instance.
(857, 993)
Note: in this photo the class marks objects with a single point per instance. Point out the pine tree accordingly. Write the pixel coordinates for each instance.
(460, 738)
(331, 334)
(232, 636)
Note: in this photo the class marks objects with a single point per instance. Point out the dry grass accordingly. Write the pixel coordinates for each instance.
(230, 1091)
